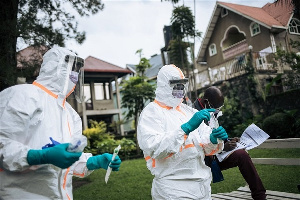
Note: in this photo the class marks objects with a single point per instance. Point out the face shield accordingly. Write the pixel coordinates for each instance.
(179, 87)
(76, 76)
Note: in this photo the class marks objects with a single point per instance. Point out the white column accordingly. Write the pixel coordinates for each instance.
(119, 104)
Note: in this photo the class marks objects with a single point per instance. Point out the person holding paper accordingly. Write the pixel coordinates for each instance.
(174, 140)
(213, 98)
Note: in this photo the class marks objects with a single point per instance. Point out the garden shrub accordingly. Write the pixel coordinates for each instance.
(100, 141)
(279, 125)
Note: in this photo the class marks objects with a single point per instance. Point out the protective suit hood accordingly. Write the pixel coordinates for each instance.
(164, 90)
(55, 71)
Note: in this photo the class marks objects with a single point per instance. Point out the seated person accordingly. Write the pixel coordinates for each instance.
(213, 98)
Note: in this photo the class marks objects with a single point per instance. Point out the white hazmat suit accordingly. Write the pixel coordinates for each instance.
(29, 115)
(175, 159)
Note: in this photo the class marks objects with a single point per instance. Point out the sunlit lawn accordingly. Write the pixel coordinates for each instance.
(133, 181)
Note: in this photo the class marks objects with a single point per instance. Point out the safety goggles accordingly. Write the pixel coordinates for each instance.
(76, 75)
(179, 87)
(183, 81)
(210, 105)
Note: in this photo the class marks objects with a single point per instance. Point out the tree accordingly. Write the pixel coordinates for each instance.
(183, 25)
(183, 28)
(173, 1)
(137, 91)
(295, 3)
(291, 58)
(38, 22)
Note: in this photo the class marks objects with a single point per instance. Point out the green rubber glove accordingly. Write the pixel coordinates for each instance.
(56, 155)
(218, 133)
(102, 161)
(196, 120)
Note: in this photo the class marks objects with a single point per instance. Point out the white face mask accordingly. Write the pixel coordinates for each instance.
(74, 77)
(178, 93)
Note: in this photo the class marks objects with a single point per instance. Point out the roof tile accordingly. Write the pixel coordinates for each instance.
(92, 64)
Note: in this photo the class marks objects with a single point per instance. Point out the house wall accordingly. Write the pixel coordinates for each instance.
(259, 42)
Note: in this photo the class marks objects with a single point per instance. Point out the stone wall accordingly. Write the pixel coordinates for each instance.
(237, 87)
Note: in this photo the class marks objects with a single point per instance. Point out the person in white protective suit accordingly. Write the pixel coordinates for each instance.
(32, 113)
(174, 139)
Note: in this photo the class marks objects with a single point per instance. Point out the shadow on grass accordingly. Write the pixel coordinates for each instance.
(78, 182)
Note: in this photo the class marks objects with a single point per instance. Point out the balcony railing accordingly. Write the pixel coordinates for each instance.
(262, 62)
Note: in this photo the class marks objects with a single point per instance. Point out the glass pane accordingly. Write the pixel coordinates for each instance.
(107, 91)
(99, 92)
(87, 93)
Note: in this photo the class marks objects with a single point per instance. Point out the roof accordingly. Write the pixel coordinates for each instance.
(272, 16)
(92, 64)
(156, 64)
(259, 15)
(281, 11)
(30, 55)
(131, 67)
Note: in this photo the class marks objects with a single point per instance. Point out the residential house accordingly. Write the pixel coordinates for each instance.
(100, 103)
(238, 35)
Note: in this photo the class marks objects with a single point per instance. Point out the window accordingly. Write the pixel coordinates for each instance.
(254, 28)
(212, 50)
(87, 96)
(87, 93)
(224, 12)
(294, 26)
(102, 91)
(273, 43)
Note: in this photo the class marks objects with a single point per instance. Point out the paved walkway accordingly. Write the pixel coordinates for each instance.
(244, 193)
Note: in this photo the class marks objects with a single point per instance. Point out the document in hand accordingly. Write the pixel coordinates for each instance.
(251, 138)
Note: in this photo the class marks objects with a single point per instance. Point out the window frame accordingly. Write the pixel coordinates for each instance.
(224, 14)
(251, 29)
(215, 49)
(297, 21)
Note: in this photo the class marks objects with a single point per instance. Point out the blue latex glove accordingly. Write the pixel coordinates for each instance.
(196, 120)
(218, 133)
(56, 155)
(51, 145)
(102, 161)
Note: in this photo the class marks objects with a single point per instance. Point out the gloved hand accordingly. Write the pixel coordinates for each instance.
(102, 161)
(56, 155)
(218, 133)
(196, 120)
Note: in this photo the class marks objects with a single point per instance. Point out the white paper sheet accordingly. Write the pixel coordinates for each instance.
(251, 138)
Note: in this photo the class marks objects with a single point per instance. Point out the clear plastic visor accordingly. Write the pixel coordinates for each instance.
(77, 76)
(179, 87)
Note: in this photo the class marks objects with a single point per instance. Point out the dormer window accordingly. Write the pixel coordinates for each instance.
(224, 12)
(294, 26)
(254, 28)
(212, 49)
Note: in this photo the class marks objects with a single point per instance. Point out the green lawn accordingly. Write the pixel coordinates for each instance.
(133, 181)
(275, 153)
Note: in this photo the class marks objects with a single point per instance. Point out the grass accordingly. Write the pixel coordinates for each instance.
(275, 153)
(133, 181)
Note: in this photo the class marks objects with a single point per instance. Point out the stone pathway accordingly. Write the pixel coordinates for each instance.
(244, 193)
